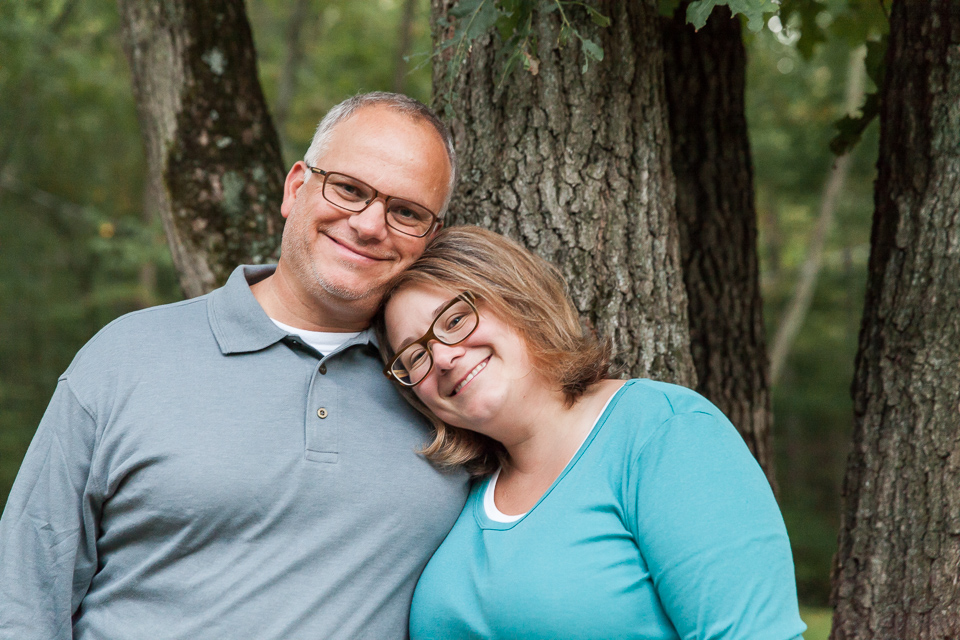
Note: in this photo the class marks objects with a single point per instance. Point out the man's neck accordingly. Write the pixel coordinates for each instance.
(287, 303)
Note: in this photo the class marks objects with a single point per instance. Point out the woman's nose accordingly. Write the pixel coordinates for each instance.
(445, 355)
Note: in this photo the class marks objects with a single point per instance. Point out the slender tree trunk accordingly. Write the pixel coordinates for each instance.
(897, 571)
(705, 80)
(792, 321)
(292, 61)
(405, 35)
(216, 174)
(576, 166)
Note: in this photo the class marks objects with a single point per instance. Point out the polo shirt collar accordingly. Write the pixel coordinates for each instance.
(240, 324)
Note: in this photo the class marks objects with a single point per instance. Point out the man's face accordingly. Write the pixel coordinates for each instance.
(340, 255)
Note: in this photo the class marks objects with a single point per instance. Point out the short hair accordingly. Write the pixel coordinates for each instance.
(526, 292)
(396, 102)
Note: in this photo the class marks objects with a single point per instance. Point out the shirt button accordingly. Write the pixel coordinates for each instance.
(323, 369)
(321, 413)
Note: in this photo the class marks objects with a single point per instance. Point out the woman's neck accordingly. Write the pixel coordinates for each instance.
(536, 459)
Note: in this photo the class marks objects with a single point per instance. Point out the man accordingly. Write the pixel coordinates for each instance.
(236, 465)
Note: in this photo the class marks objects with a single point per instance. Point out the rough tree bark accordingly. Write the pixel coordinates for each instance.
(213, 156)
(896, 571)
(705, 79)
(576, 166)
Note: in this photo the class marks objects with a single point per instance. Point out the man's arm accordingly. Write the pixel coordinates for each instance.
(49, 526)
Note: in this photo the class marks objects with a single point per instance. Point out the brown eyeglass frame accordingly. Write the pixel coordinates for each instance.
(425, 339)
(377, 195)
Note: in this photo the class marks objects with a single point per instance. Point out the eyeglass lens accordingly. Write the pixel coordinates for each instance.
(452, 326)
(354, 195)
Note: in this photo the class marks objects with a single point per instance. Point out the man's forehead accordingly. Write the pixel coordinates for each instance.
(374, 119)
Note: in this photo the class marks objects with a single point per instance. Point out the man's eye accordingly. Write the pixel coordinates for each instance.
(351, 191)
(408, 215)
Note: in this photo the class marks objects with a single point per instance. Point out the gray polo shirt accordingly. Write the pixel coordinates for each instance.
(201, 474)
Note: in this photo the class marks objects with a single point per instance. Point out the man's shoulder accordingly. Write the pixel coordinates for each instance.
(146, 330)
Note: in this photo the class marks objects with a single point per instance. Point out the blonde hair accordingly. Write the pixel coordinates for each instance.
(526, 292)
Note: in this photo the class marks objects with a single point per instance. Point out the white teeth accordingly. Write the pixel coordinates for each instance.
(477, 369)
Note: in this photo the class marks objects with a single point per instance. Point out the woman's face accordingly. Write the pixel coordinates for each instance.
(483, 383)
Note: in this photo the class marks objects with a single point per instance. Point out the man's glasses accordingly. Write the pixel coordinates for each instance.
(355, 195)
(456, 321)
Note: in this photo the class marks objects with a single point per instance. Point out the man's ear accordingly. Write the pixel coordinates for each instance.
(291, 186)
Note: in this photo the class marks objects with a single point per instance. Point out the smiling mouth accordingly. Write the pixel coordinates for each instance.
(364, 254)
(470, 376)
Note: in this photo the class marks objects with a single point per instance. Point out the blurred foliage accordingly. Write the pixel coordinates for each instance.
(76, 250)
(818, 621)
(348, 47)
(78, 246)
(794, 97)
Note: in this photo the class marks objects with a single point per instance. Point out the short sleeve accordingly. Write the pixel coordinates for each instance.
(712, 535)
(49, 524)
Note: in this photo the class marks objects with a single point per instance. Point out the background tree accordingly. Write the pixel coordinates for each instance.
(213, 156)
(576, 165)
(896, 569)
(705, 75)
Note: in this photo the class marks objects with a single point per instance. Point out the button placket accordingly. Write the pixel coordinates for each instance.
(322, 428)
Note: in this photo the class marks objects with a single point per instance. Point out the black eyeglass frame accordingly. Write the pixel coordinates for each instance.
(425, 339)
(377, 195)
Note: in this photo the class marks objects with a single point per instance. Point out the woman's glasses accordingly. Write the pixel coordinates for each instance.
(454, 324)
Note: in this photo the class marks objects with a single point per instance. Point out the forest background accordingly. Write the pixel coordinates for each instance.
(80, 245)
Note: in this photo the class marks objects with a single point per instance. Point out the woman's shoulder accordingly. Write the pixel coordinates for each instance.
(643, 407)
(664, 400)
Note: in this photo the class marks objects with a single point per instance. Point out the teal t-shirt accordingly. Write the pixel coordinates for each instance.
(662, 526)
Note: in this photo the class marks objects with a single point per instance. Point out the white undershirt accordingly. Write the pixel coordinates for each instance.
(323, 341)
(490, 507)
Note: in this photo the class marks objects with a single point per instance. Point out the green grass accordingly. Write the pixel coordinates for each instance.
(818, 622)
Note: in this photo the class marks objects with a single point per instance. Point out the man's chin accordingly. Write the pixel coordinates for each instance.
(353, 292)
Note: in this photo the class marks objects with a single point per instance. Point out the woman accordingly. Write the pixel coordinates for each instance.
(603, 508)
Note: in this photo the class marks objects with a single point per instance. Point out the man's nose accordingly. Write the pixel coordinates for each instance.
(371, 223)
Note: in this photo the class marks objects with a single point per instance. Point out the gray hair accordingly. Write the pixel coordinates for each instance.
(396, 102)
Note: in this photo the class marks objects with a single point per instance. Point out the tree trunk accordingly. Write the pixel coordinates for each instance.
(705, 81)
(896, 571)
(213, 157)
(299, 16)
(576, 166)
(404, 37)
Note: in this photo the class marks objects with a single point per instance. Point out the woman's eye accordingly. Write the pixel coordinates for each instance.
(454, 321)
(416, 358)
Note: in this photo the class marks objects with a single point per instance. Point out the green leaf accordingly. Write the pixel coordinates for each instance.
(466, 7)
(597, 17)
(699, 11)
(850, 128)
(754, 10)
(591, 49)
